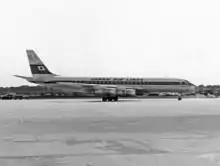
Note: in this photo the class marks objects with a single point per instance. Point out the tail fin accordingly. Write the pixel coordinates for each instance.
(36, 65)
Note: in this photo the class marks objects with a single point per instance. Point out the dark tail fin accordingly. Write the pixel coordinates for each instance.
(36, 65)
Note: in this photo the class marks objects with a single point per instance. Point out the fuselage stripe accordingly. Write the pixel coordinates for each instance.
(119, 82)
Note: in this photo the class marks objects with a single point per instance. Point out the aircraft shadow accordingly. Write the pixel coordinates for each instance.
(119, 101)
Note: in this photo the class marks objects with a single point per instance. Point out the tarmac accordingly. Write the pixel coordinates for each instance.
(130, 132)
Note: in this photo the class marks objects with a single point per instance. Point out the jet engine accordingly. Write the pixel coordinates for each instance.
(106, 91)
(130, 92)
(114, 91)
(126, 92)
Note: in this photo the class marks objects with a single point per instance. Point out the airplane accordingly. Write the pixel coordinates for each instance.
(108, 88)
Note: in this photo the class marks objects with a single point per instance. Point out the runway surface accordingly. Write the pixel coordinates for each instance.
(131, 132)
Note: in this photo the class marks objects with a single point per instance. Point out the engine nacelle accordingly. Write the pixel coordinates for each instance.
(106, 91)
(121, 92)
(130, 92)
(126, 92)
(112, 91)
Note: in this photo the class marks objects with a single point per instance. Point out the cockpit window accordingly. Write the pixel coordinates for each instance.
(189, 83)
(183, 83)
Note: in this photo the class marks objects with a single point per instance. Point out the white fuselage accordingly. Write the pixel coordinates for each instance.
(94, 83)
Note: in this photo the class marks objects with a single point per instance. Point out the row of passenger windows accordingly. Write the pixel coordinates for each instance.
(131, 83)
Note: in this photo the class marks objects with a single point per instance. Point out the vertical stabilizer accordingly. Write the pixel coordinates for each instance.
(36, 65)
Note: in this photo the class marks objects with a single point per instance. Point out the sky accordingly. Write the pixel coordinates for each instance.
(120, 38)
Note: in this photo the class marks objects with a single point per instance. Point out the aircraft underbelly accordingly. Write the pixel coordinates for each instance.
(169, 88)
(163, 88)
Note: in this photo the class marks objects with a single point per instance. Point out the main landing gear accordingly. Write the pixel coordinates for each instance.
(109, 98)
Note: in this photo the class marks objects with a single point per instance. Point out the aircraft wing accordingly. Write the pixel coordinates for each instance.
(76, 87)
(83, 86)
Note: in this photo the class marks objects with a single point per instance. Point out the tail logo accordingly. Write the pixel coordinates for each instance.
(36, 65)
(41, 68)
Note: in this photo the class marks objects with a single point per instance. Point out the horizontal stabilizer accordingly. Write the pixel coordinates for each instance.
(24, 77)
(30, 79)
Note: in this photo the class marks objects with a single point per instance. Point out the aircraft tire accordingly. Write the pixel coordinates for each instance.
(104, 99)
(116, 98)
(180, 98)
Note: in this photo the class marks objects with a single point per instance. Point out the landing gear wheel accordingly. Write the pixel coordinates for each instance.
(179, 98)
(116, 98)
(104, 99)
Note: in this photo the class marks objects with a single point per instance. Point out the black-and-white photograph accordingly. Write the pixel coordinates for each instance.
(110, 83)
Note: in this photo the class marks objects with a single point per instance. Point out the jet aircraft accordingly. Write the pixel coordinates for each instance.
(108, 88)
